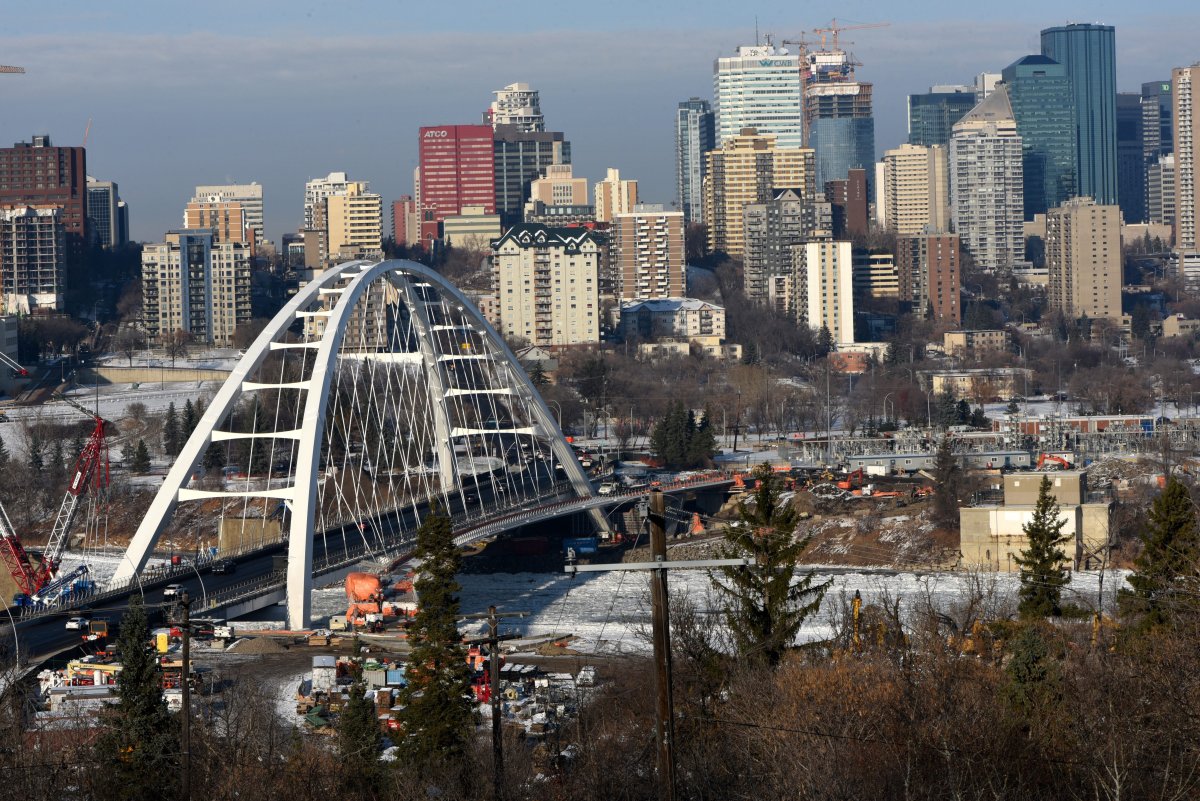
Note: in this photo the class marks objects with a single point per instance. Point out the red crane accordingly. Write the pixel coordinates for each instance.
(91, 472)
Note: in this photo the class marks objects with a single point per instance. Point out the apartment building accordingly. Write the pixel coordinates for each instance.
(916, 189)
(614, 196)
(1083, 255)
(646, 247)
(194, 284)
(33, 259)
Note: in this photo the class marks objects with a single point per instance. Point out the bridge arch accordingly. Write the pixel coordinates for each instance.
(376, 391)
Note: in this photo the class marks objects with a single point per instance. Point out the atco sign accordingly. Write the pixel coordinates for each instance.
(436, 134)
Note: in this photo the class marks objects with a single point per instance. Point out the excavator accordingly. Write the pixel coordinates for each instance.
(853, 480)
(41, 582)
(1055, 462)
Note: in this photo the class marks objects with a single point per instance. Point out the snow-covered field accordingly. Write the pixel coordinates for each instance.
(610, 612)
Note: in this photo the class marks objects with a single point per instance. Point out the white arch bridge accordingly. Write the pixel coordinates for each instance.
(378, 391)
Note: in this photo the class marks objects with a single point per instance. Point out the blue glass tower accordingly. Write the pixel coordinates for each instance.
(1089, 53)
(695, 135)
(1040, 93)
(931, 116)
(841, 143)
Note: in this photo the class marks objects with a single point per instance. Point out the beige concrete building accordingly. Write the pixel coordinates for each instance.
(822, 292)
(915, 189)
(646, 249)
(548, 284)
(225, 218)
(248, 196)
(875, 275)
(1176, 325)
(672, 318)
(1083, 256)
(984, 384)
(992, 536)
(558, 186)
(614, 196)
(473, 229)
(354, 222)
(744, 171)
(191, 283)
(1160, 193)
(1185, 125)
(961, 343)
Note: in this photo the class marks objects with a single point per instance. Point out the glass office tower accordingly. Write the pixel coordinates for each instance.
(1040, 93)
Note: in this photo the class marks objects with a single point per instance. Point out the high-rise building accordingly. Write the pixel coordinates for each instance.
(1131, 162)
(614, 196)
(1160, 191)
(985, 84)
(558, 186)
(695, 135)
(191, 283)
(108, 224)
(36, 173)
(931, 116)
(1185, 128)
(823, 287)
(548, 284)
(875, 275)
(916, 189)
(770, 230)
(1083, 256)
(516, 104)
(457, 165)
(249, 196)
(986, 178)
(1157, 138)
(1039, 92)
(647, 249)
(404, 219)
(849, 204)
(354, 224)
(759, 88)
(519, 158)
(838, 116)
(743, 171)
(316, 190)
(225, 218)
(929, 275)
(1088, 51)
(33, 259)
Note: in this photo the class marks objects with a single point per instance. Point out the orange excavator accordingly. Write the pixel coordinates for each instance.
(853, 480)
(1055, 462)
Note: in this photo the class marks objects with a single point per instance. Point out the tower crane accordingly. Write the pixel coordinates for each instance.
(834, 31)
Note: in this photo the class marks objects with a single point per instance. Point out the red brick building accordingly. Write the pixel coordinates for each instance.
(457, 168)
(39, 174)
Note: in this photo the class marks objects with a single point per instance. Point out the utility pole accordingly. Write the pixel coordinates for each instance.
(660, 618)
(185, 757)
(664, 703)
(493, 639)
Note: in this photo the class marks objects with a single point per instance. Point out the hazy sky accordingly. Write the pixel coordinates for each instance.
(280, 91)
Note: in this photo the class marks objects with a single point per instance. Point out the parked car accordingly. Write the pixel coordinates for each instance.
(76, 623)
(607, 488)
(224, 566)
(172, 591)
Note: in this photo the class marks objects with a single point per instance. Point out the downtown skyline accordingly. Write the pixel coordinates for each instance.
(173, 108)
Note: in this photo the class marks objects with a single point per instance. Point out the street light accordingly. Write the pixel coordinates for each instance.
(885, 405)
(557, 406)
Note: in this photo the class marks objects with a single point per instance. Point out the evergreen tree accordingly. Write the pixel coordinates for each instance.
(436, 718)
(945, 409)
(140, 740)
(1042, 573)
(359, 741)
(1032, 685)
(763, 608)
(1170, 555)
(141, 458)
(58, 463)
(703, 445)
(962, 412)
(189, 420)
(1013, 407)
(37, 462)
(537, 376)
(172, 441)
(214, 457)
(978, 418)
(824, 342)
(949, 487)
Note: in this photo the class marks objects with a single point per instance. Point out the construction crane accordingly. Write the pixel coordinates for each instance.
(12, 70)
(10, 362)
(91, 472)
(834, 31)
